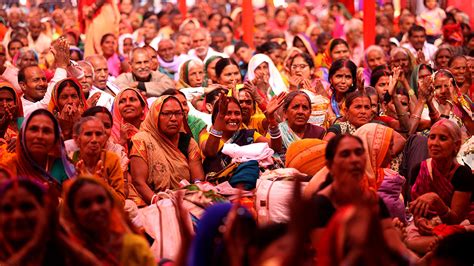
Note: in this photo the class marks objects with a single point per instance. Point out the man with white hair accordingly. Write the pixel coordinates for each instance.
(296, 25)
(200, 41)
(355, 38)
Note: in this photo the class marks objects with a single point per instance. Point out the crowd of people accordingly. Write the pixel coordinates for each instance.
(130, 137)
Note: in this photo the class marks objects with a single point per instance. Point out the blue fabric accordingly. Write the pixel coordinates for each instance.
(246, 174)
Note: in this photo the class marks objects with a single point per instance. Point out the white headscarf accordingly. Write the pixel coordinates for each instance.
(122, 39)
(276, 81)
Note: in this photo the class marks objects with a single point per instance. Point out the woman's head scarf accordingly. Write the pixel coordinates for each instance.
(183, 74)
(53, 105)
(310, 46)
(121, 41)
(275, 80)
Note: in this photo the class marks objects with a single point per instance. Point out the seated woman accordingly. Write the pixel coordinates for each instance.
(130, 109)
(442, 188)
(191, 74)
(93, 218)
(67, 104)
(346, 184)
(402, 57)
(458, 65)
(40, 153)
(374, 56)
(442, 56)
(92, 159)
(108, 43)
(297, 109)
(162, 155)
(336, 49)
(227, 128)
(42, 241)
(210, 71)
(343, 80)
(228, 74)
(304, 43)
(11, 116)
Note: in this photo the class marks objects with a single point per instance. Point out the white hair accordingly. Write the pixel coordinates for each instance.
(353, 24)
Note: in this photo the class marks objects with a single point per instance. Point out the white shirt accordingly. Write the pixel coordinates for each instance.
(210, 52)
(428, 50)
(106, 100)
(29, 106)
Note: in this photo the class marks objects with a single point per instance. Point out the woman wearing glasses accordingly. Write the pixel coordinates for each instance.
(162, 154)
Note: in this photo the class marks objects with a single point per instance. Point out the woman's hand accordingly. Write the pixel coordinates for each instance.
(223, 103)
(8, 115)
(275, 103)
(397, 72)
(360, 79)
(424, 226)
(425, 203)
(295, 82)
(127, 130)
(261, 80)
(92, 101)
(420, 57)
(97, 172)
(425, 88)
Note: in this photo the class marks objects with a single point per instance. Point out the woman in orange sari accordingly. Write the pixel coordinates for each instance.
(11, 116)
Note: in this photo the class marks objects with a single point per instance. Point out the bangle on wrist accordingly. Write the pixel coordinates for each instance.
(215, 133)
(402, 114)
(275, 132)
(416, 116)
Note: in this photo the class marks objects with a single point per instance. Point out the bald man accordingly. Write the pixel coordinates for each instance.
(37, 40)
(100, 82)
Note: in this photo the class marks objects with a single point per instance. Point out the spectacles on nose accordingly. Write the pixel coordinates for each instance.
(171, 114)
(296, 67)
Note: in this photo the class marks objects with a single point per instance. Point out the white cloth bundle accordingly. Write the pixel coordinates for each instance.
(256, 151)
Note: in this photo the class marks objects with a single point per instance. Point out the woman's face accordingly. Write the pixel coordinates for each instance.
(19, 215)
(375, 58)
(382, 86)
(233, 118)
(107, 123)
(40, 136)
(441, 145)
(109, 46)
(281, 18)
(92, 138)
(263, 70)
(171, 118)
(360, 112)
(228, 34)
(300, 45)
(300, 68)
(130, 106)
(340, 51)
(342, 80)
(127, 46)
(184, 102)
(349, 161)
(196, 76)
(14, 48)
(401, 60)
(458, 68)
(276, 56)
(92, 208)
(374, 100)
(230, 76)
(298, 112)
(314, 34)
(442, 86)
(442, 59)
(68, 96)
(211, 70)
(7, 101)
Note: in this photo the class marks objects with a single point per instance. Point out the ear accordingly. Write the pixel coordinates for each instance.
(22, 86)
(209, 107)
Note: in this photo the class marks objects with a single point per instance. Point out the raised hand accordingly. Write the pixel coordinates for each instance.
(360, 79)
(275, 103)
(420, 57)
(295, 82)
(223, 103)
(61, 53)
(92, 101)
(397, 71)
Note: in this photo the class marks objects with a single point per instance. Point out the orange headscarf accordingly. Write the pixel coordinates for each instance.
(53, 105)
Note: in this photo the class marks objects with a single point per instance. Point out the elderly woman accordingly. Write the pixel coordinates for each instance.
(11, 113)
(227, 128)
(191, 74)
(162, 155)
(443, 187)
(40, 154)
(26, 202)
(458, 65)
(401, 57)
(342, 77)
(129, 111)
(92, 159)
(108, 43)
(346, 184)
(67, 104)
(374, 56)
(93, 218)
(24, 57)
(442, 56)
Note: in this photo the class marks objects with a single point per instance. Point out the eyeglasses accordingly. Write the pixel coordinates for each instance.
(302, 66)
(171, 114)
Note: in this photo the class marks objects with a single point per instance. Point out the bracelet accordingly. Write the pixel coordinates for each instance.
(153, 199)
(215, 133)
(416, 116)
(275, 132)
(402, 115)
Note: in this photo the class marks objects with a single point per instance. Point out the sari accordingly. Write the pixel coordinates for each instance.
(167, 163)
(22, 164)
(134, 249)
(325, 64)
(118, 120)
(275, 80)
(288, 136)
(13, 127)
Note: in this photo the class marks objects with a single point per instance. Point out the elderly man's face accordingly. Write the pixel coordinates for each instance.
(200, 43)
(166, 50)
(35, 28)
(141, 64)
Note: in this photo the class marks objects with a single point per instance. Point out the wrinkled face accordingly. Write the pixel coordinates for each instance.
(244, 54)
(298, 111)
(166, 50)
(87, 80)
(442, 59)
(263, 70)
(109, 46)
(340, 51)
(40, 135)
(171, 118)
(183, 44)
(382, 86)
(184, 102)
(359, 113)
(300, 68)
(247, 105)
(154, 64)
(401, 60)
(374, 100)
(196, 75)
(101, 72)
(458, 69)
(355, 35)
(7, 101)
(200, 43)
(92, 208)
(417, 39)
(349, 161)
(92, 138)
(230, 76)
(233, 118)
(211, 70)
(342, 80)
(189, 28)
(375, 58)
(27, 59)
(141, 64)
(219, 42)
(68, 96)
(127, 45)
(259, 38)
(441, 145)
(107, 123)
(443, 87)
(19, 214)
(34, 28)
(14, 48)
(35, 85)
(130, 106)
(315, 33)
